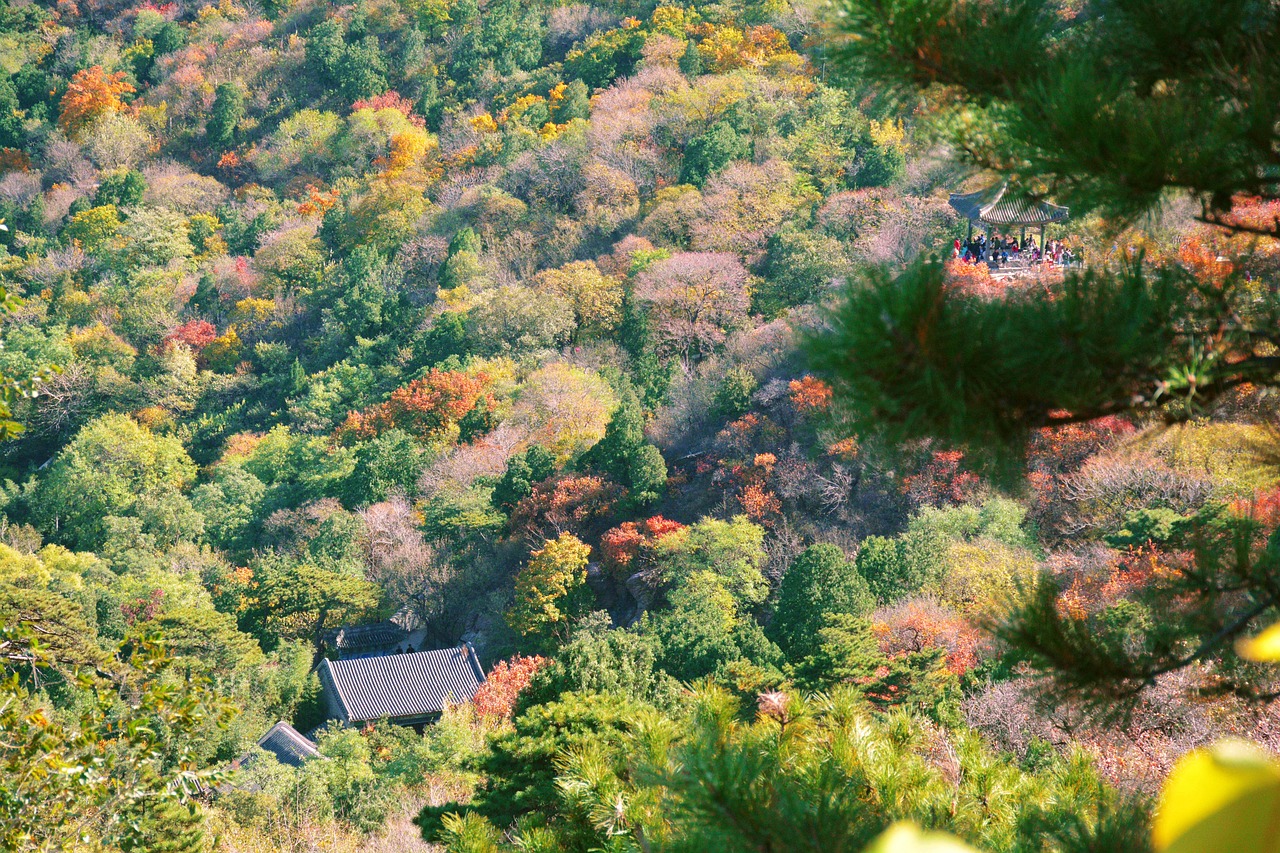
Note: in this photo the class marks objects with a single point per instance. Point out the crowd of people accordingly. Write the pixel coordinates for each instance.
(999, 251)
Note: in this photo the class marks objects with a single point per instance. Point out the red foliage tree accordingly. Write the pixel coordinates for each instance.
(196, 334)
(941, 481)
(392, 100)
(565, 504)
(426, 407)
(496, 698)
(1263, 508)
(622, 546)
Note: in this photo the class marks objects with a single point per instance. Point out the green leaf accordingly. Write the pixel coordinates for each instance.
(1264, 648)
(1226, 797)
(906, 837)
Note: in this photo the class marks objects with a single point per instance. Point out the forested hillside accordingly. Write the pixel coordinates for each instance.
(614, 340)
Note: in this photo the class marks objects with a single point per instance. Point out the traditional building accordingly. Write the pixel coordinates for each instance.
(407, 689)
(1002, 208)
(287, 744)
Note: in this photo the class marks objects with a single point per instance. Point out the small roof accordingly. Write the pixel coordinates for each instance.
(408, 685)
(997, 205)
(288, 745)
(378, 635)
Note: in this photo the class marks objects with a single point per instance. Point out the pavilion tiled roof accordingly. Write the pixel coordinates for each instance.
(288, 745)
(407, 685)
(999, 205)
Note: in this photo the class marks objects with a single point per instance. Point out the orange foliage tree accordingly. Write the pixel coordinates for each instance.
(921, 624)
(565, 504)
(496, 698)
(426, 408)
(810, 394)
(91, 94)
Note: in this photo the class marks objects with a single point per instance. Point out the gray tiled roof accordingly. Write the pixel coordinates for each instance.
(288, 745)
(997, 205)
(408, 685)
(368, 636)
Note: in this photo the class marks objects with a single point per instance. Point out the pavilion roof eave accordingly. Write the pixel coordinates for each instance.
(996, 206)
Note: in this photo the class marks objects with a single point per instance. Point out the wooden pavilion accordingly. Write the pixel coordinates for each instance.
(1001, 207)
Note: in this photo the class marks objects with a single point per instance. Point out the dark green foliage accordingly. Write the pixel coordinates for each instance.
(733, 396)
(524, 471)
(169, 38)
(820, 582)
(604, 57)
(622, 438)
(520, 767)
(599, 659)
(712, 151)
(38, 91)
(516, 484)
(325, 50)
(123, 188)
(910, 358)
(800, 267)
(691, 60)
(389, 464)
(846, 651)
(227, 111)
(446, 337)
(897, 568)
(576, 102)
(625, 456)
(647, 475)
(877, 165)
(699, 637)
(362, 71)
(1159, 525)
(11, 132)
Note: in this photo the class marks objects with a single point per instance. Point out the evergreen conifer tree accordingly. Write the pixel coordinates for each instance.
(1112, 109)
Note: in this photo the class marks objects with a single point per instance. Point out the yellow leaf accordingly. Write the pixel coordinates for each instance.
(1264, 648)
(1224, 798)
(905, 837)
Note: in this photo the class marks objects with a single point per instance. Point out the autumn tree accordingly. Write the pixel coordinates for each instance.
(596, 298)
(623, 547)
(92, 94)
(697, 298)
(427, 408)
(550, 589)
(496, 698)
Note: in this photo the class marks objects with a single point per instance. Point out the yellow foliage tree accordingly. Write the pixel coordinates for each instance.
(549, 590)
